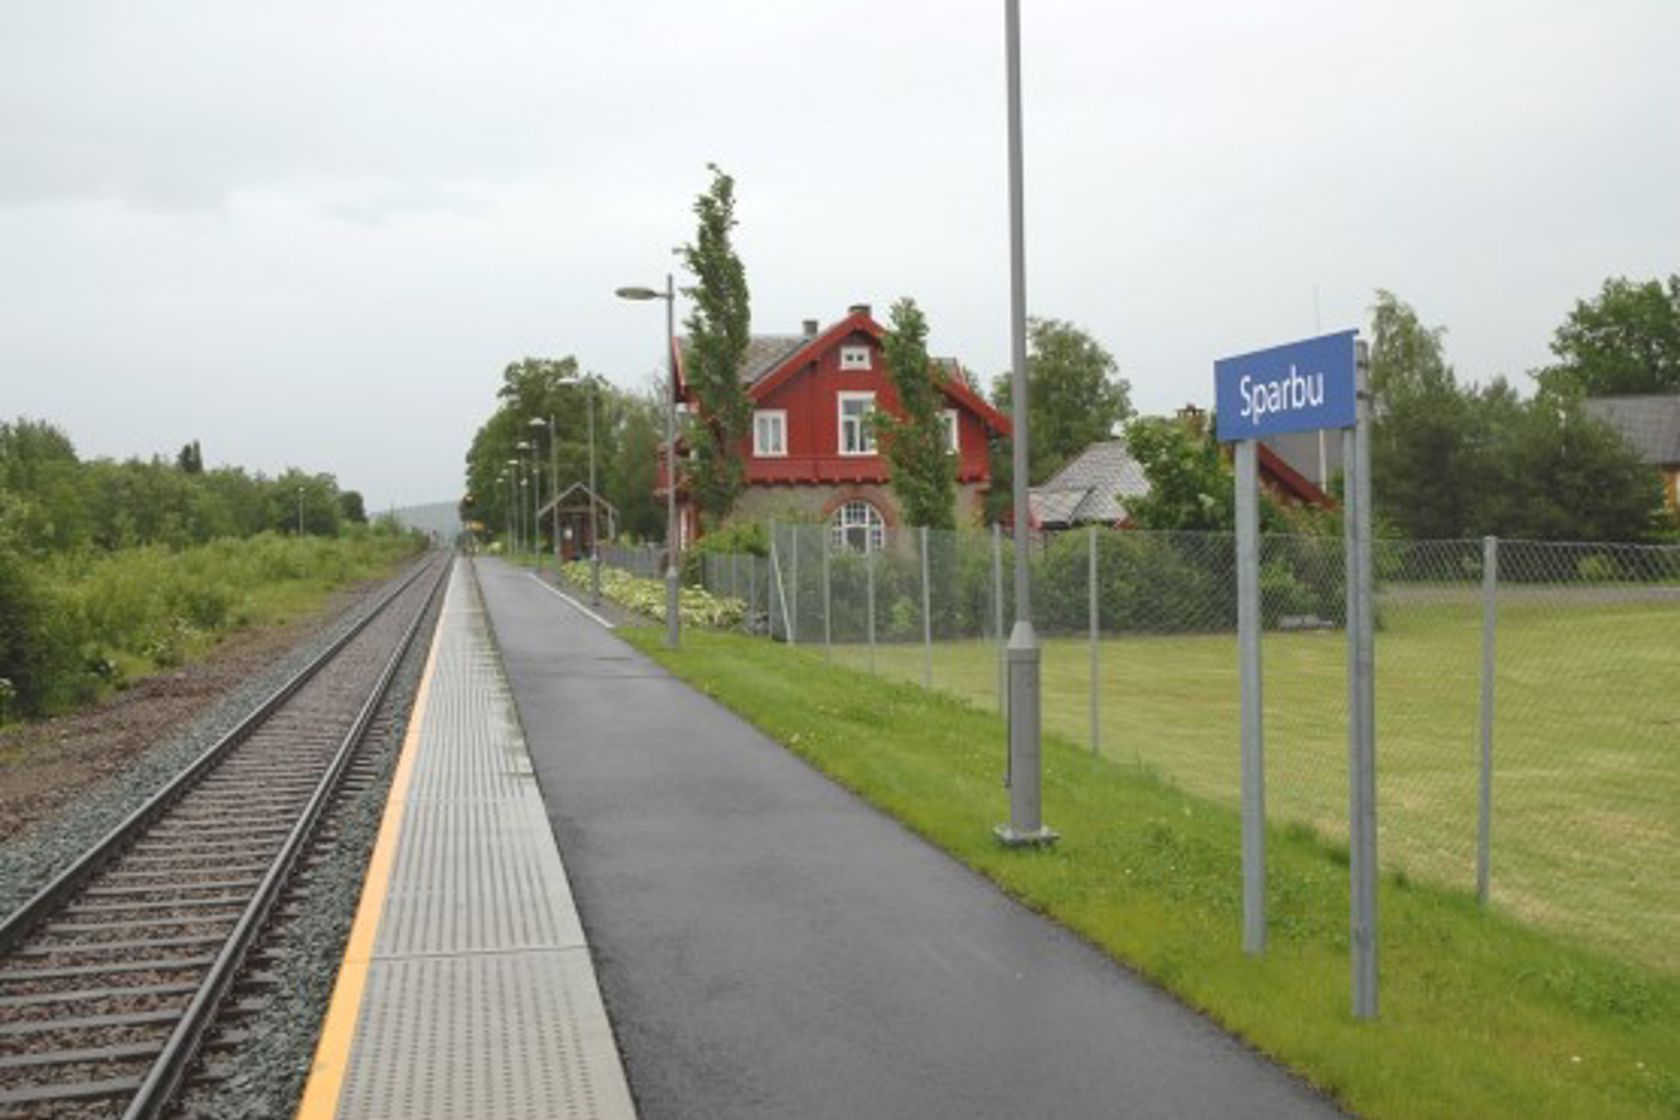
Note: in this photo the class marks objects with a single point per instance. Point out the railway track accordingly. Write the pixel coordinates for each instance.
(120, 975)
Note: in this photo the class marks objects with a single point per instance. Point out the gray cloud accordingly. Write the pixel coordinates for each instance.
(314, 233)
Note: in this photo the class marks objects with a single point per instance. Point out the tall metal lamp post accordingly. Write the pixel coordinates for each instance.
(1026, 822)
(594, 499)
(516, 530)
(553, 487)
(507, 496)
(527, 470)
(673, 542)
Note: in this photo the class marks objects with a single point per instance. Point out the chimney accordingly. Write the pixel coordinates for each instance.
(809, 328)
(858, 309)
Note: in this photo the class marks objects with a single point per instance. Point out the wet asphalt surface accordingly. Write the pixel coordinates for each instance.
(770, 946)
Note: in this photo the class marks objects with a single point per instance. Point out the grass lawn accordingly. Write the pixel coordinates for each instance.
(1482, 1014)
(1586, 818)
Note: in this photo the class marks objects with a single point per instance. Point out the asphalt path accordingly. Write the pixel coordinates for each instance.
(768, 945)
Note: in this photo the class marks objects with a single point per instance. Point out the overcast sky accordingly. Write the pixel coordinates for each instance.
(313, 233)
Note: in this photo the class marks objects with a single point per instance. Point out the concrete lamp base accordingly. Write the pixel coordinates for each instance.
(1043, 837)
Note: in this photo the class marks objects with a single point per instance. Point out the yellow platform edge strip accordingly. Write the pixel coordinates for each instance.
(338, 1030)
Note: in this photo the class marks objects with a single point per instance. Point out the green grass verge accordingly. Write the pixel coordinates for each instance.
(1586, 794)
(1481, 1014)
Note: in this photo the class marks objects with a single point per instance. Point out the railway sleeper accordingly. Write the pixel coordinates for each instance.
(141, 891)
(81, 909)
(90, 1022)
(104, 1089)
(33, 950)
(73, 972)
(125, 1052)
(91, 995)
(83, 929)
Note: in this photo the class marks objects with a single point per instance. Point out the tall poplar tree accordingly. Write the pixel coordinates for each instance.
(924, 471)
(719, 328)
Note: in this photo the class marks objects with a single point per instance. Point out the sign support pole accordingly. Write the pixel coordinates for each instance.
(1248, 652)
(1362, 765)
(1313, 384)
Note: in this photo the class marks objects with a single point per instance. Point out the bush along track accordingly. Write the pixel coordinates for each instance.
(1481, 1015)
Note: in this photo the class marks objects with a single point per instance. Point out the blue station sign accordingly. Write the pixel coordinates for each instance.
(1300, 387)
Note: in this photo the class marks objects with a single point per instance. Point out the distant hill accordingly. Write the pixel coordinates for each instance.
(442, 518)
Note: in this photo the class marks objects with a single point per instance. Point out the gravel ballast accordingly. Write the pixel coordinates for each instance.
(30, 859)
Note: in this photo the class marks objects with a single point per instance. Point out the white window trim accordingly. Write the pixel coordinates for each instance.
(867, 363)
(954, 443)
(874, 526)
(865, 436)
(759, 451)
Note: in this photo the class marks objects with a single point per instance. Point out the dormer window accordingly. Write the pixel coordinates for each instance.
(854, 357)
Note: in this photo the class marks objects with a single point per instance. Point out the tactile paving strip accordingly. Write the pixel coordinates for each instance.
(481, 1000)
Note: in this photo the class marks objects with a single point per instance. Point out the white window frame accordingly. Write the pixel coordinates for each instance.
(855, 357)
(953, 431)
(869, 519)
(866, 437)
(761, 450)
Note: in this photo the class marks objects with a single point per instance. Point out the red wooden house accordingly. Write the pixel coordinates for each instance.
(809, 452)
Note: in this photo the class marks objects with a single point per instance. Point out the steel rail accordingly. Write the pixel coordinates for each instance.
(169, 1071)
(21, 921)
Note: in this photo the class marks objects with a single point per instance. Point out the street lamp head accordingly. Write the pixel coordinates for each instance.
(538, 421)
(639, 293)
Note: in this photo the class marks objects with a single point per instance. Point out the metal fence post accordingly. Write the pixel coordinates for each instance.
(1490, 610)
(927, 617)
(997, 614)
(752, 582)
(1091, 581)
(774, 595)
(793, 616)
(869, 581)
(828, 631)
(1252, 743)
(734, 577)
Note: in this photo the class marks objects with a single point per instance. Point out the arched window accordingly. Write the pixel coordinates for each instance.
(857, 525)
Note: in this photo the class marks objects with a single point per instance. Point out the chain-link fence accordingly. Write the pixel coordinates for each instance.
(740, 576)
(644, 560)
(1541, 676)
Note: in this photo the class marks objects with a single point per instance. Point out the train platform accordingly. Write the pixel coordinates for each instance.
(772, 946)
(467, 988)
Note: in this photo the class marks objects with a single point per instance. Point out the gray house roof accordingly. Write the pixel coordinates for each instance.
(1650, 424)
(1092, 489)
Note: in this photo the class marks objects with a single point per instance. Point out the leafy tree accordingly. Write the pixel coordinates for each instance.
(1430, 453)
(1000, 455)
(924, 472)
(531, 389)
(1452, 461)
(1074, 396)
(635, 466)
(1562, 475)
(351, 508)
(1192, 482)
(719, 328)
(1627, 340)
(190, 460)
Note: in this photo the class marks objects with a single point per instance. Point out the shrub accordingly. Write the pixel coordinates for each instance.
(37, 640)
